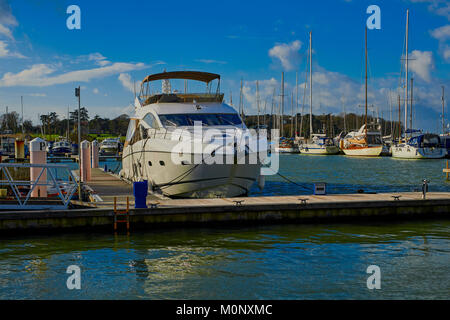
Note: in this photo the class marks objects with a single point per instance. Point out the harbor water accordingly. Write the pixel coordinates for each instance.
(260, 262)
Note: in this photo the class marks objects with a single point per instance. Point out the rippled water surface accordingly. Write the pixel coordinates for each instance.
(269, 262)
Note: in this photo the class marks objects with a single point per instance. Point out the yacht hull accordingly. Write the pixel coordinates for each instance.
(187, 179)
(363, 151)
(286, 150)
(320, 150)
(410, 152)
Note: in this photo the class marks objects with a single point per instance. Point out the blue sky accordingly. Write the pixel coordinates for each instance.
(119, 42)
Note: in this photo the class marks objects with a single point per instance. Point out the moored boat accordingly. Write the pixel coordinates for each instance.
(169, 143)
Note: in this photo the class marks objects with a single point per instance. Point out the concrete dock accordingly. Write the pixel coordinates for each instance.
(163, 212)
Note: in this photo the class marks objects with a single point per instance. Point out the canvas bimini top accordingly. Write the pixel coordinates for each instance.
(167, 96)
(187, 75)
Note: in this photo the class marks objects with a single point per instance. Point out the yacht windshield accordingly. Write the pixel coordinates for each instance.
(211, 119)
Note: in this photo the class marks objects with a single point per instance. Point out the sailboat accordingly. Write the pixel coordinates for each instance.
(317, 143)
(286, 145)
(418, 145)
(366, 142)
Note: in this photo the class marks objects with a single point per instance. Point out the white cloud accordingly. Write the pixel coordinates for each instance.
(37, 95)
(99, 59)
(95, 91)
(439, 7)
(40, 75)
(6, 19)
(422, 63)
(446, 53)
(209, 61)
(287, 54)
(6, 53)
(125, 80)
(443, 35)
(6, 32)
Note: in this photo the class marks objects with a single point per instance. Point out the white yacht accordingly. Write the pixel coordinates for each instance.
(109, 146)
(189, 145)
(420, 146)
(417, 145)
(319, 144)
(61, 147)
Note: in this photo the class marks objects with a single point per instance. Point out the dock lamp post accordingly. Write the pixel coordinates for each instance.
(77, 94)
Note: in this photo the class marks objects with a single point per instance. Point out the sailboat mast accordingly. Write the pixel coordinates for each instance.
(296, 103)
(411, 107)
(68, 124)
(399, 123)
(292, 114)
(365, 119)
(345, 115)
(257, 102)
(282, 105)
(443, 122)
(241, 104)
(310, 86)
(406, 73)
(21, 102)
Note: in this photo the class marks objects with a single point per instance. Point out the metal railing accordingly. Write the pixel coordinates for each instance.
(63, 189)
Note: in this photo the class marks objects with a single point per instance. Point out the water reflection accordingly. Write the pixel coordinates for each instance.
(270, 262)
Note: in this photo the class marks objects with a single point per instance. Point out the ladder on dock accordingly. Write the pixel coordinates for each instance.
(446, 170)
(121, 216)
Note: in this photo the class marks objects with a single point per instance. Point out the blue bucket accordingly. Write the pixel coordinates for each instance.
(140, 192)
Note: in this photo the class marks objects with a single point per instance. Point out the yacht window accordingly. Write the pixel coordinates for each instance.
(151, 121)
(131, 130)
(212, 119)
(430, 141)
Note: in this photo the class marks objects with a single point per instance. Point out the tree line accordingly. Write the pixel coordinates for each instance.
(52, 124)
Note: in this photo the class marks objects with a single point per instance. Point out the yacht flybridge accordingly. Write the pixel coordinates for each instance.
(190, 144)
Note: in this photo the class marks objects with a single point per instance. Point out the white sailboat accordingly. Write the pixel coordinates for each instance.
(420, 146)
(366, 142)
(317, 143)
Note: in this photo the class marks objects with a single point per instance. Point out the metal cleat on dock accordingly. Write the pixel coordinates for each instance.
(238, 203)
(153, 205)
